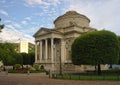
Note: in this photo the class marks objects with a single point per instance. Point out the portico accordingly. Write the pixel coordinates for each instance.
(49, 50)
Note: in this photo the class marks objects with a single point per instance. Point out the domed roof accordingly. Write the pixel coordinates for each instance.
(72, 14)
(71, 17)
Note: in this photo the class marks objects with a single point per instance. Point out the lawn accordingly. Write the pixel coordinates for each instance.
(85, 77)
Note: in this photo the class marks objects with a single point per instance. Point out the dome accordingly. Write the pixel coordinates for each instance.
(71, 17)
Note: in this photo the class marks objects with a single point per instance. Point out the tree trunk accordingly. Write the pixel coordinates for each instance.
(99, 69)
(4, 69)
(95, 69)
(22, 66)
(13, 68)
(110, 66)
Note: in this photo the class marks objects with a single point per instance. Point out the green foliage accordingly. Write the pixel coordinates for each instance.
(98, 47)
(18, 58)
(119, 47)
(17, 66)
(26, 59)
(32, 58)
(7, 54)
(1, 26)
(31, 48)
(36, 66)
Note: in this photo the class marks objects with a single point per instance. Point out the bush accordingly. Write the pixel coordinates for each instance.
(17, 66)
(36, 66)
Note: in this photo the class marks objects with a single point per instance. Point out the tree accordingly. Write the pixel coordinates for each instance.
(95, 48)
(18, 58)
(7, 54)
(26, 58)
(119, 48)
(1, 26)
(32, 58)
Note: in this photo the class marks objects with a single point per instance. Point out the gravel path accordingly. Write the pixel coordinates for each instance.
(42, 79)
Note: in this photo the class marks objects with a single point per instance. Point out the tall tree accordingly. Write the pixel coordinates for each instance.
(95, 48)
(1, 26)
(7, 53)
(26, 58)
(119, 48)
(32, 58)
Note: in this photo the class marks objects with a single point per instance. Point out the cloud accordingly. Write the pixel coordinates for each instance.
(54, 2)
(46, 3)
(8, 21)
(13, 35)
(24, 22)
(102, 13)
(9, 26)
(28, 18)
(16, 25)
(3, 12)
(36, 2)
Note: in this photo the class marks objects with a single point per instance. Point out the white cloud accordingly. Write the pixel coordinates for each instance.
(9, 26)
(43, 2)
(30, 31)
(36, 2)
(24, 22)
(16, 25)
(28, 18)
(54, 2)
(8, 21)
(102, 13)
(3, 12)
(13, 35)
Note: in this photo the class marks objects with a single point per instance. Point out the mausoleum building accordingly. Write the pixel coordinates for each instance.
(53, 46)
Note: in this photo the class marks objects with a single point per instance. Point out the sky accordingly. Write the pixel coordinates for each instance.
(22, 18)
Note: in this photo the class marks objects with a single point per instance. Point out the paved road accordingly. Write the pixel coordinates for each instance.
(42, 79)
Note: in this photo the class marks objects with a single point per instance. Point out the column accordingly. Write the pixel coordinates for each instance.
(40, 50)
(36, 52)
(52, 49)
(62, 50)
(46, 49)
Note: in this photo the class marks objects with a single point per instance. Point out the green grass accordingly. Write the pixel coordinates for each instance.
(85, 77)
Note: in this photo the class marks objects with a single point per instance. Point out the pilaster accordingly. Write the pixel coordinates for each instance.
(62, 50)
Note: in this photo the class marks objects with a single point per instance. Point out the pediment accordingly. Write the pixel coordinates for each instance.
(42, 31)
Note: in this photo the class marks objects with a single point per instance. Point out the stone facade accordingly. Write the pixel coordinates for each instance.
(53, 46)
